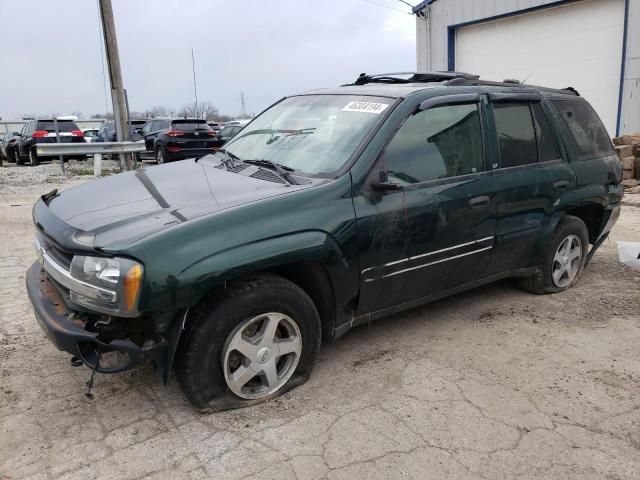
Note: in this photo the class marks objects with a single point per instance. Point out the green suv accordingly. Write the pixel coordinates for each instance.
(330, 209)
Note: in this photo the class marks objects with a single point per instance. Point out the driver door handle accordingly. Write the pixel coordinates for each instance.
(479, 202)
(561, 184)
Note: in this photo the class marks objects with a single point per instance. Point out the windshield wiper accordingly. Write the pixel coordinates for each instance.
(282, 170)
(229, 158)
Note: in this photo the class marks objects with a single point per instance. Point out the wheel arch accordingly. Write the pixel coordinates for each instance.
(312, 260)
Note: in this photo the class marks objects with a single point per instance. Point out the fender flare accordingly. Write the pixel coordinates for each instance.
(312, 245)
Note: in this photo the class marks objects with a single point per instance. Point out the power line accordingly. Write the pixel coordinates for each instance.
(387, 7)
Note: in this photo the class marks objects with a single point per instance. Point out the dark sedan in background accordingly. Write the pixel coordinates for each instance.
(107, 132)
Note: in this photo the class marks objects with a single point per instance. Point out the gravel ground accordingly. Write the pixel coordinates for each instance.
(493, 383)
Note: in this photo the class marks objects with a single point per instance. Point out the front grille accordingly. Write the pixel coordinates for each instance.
(60, 256)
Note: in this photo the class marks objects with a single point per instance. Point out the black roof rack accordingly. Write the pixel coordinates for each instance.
(448, 78)
(508, 83)
(410, 77)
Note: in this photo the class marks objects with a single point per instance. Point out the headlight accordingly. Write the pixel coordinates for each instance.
(119, 275)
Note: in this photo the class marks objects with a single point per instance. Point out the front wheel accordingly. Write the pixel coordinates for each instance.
(16, 155)
(564, 258)
(249, 343)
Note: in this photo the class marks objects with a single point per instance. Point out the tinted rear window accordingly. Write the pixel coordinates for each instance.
(516, 135)
(589, 135)
(190, 125)
(63, 126)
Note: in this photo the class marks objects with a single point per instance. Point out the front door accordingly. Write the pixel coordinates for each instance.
(436, 231)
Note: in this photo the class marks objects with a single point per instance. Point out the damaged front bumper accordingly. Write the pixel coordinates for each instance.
(74, 333)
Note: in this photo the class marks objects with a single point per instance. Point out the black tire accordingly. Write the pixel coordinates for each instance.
(10, 156)
(16, 155)
(213, 321)
(34, 161)
(160, 154)
(541, 282)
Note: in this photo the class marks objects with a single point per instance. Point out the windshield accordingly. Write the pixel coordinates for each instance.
(315, 134)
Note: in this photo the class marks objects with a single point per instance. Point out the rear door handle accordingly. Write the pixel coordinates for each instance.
(560, 184)
(479, 202)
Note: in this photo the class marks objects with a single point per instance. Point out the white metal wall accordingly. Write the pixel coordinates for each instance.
(432, 42)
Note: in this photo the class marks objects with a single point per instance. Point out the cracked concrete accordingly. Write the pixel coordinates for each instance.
(493, 383)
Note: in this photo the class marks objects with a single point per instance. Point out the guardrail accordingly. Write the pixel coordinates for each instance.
(97, 149)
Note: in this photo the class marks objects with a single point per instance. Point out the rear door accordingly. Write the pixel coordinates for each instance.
(436, 231)
(529, 174)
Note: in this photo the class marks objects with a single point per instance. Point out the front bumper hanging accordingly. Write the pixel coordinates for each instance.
(67, 331)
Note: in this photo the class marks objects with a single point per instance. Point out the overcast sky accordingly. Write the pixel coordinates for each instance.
(50, 57)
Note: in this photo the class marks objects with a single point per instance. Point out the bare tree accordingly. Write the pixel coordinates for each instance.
(158, 111)
(205, 110)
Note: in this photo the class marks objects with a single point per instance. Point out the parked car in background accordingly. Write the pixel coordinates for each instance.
(7, 143)
(168, 139)
(89, 134)
(333, 208)
(107, 133)
(215, 126)
(226, 134)
(44, 131)
(241, 123)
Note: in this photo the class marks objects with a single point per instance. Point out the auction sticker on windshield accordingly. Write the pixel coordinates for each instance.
(369, 107)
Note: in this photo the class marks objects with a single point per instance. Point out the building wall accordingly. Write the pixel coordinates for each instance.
(432, 42)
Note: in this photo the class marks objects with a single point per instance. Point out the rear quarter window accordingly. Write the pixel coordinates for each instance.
(589, 135)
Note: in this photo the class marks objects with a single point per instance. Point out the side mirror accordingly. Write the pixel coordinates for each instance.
(138, 131)
(380, 181)
(16, 134)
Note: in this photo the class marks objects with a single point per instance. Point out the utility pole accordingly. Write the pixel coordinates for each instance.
(115, 78)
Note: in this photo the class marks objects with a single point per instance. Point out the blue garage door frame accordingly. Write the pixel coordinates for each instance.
(451, 40)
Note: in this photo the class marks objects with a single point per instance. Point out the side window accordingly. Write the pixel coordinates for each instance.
(147, 127)
(441, 142)
(547, 143)
(516, 136)
(589, 135)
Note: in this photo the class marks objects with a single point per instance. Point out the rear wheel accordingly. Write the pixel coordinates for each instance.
(33, 158)
(161, 154)
(252, 342)
(564, 258)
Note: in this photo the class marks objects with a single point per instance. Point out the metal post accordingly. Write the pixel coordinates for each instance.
(130, 156)
(55, 126)
(115, 74)
(97, 164)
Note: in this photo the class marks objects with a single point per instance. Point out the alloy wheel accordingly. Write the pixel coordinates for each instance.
(160, 156)
(567, 261)
(261, 354)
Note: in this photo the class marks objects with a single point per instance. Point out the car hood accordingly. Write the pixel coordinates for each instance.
(121, 209)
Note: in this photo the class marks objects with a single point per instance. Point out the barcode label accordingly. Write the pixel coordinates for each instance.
(367, 107)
